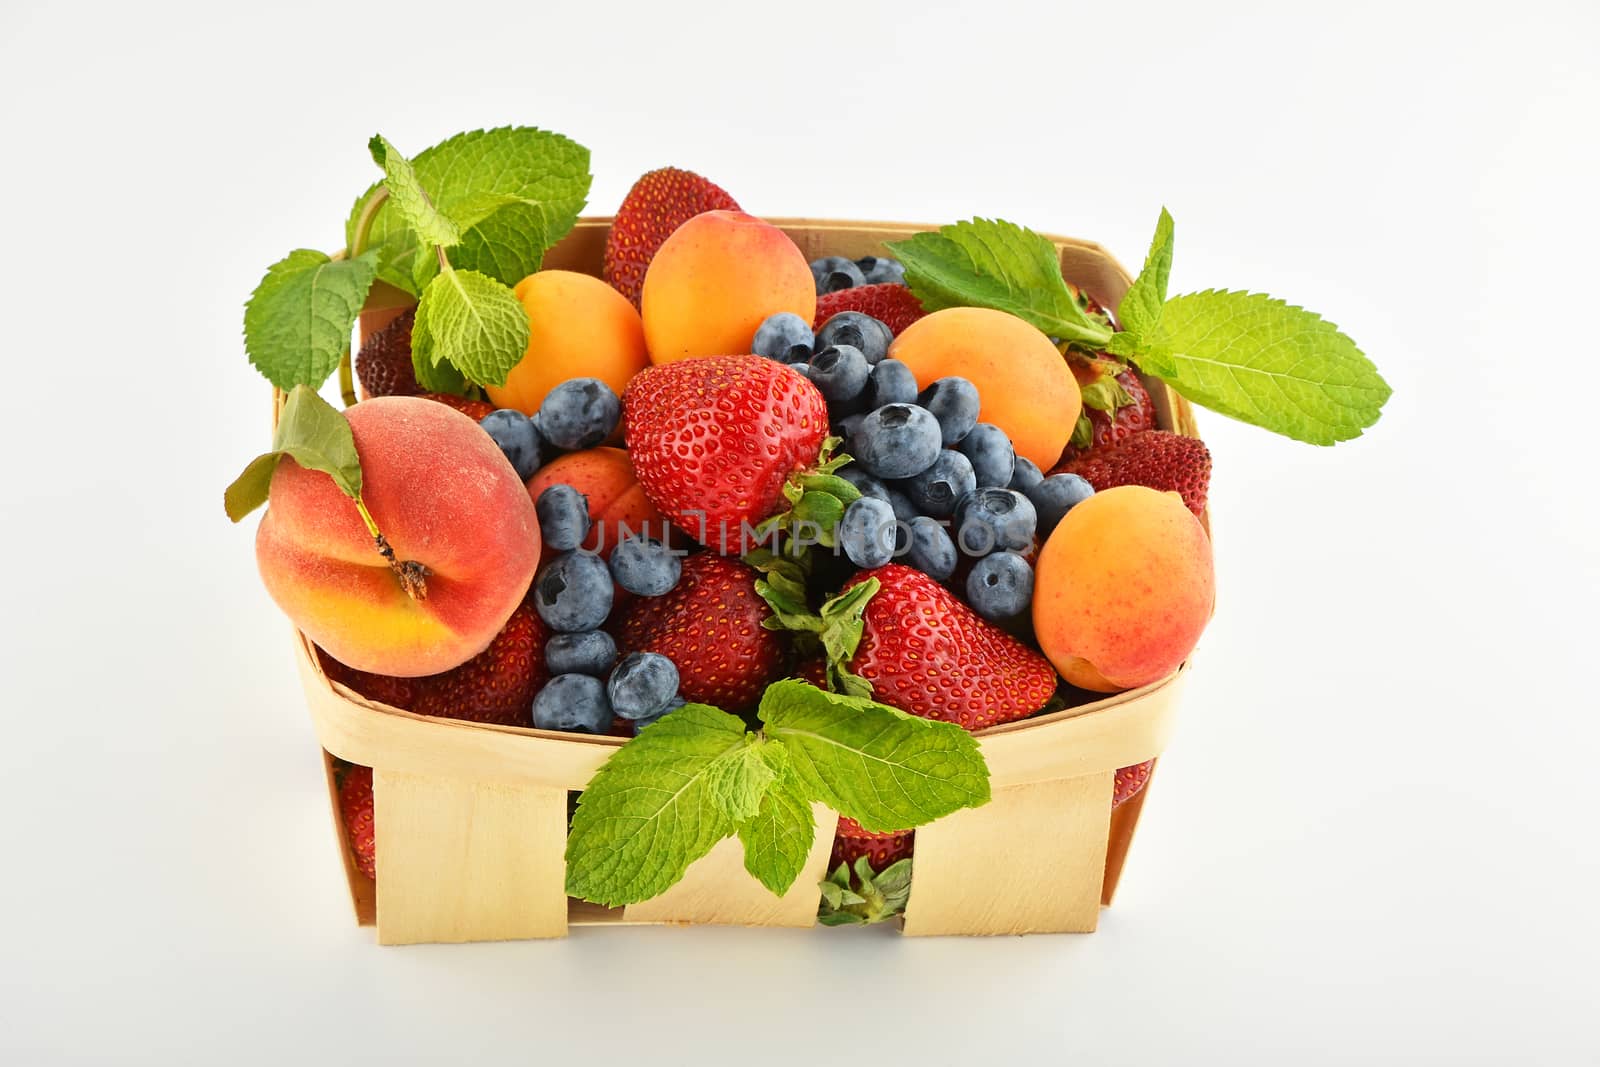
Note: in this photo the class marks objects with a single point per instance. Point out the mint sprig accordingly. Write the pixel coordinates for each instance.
(297, 323)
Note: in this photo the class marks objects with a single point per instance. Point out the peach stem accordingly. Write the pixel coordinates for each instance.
(413, 576)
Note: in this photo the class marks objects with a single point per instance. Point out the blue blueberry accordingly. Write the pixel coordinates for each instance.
(590, 652)
(954, 402)
(642, 685)
(991, 518)
(785, 337)
(517, 437)
(876, 270)
(575, 703)
(839, 373)
(644, 566)
(802, 368)
(573, 593)
(930, 549)
(672, 705)
(858, 330)
(833, 273)
(1055, 496)
(896, 441)
(891, 382)
(869, 486)
(1000, 586)
(904, 509)
(563, 517)
(936, 490)
(867, 532)
(847, 426)
(1025, 475)
(579, 413)
(994, 461)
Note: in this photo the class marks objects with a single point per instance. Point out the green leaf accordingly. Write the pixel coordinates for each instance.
(435, 377)
(739, 779)
(823, 511)
(513, 192)
(1140, 310)
(315, 435)
(298, 321)
(1267, 363)
(650, 811)
(881, 767)
(432, 227)
(862, 896)
(472, 322)
(996, 264)
(779, 838)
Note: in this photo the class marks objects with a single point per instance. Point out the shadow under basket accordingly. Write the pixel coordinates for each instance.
(471, 819)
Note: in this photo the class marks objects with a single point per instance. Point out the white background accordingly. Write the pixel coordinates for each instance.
(1374, 837)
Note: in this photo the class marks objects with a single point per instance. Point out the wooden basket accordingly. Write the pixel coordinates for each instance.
(472, 818)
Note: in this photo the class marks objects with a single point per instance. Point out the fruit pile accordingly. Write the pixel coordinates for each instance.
(717, 466)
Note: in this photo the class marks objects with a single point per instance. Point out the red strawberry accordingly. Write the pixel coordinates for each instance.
(709, 626)
(850, 842)
(714, 441)
(355, 808)
(888, 302)
(395, 692)
(473, 409)
(658, 203)
(1130, 780)
(814, 671)
(1155, 458)
(1115, 407)
(498, 684)
(928, 653)
(383, 365)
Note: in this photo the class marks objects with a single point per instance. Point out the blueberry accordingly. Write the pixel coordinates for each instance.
(517, 437)
(936, 490)
(878, 269)
(858, 330)
(1055, 496)
(954, 402)
(785, 337)
(931, 551)
(896, 441)
(1000, 586)
(579, 413)
(891, 382)
(573, 702)
(869, 486)
(644, 566)
(573, 593)
(904, 509)
(833, 273)
(839, 373)
(563, 517)
(867, 532)
(672, 705)
(590, 652)
(802, 368)
(847, 426)
(994, 461)
(642, 685)
(1025, 475)
(991, 518)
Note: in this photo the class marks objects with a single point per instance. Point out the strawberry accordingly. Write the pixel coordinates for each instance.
(1155, 458)
(355, 808)
(383, 365)
(395, 692)
(851, 842)
(716, 441)
(1129, 780)
(473, 409)
(1116, 406)
(709, 626)
(814, 670)
(889, 302)
(498, 684)
(658, 203)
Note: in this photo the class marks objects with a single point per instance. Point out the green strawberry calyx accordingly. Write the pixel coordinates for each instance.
(834, 629)
(817, 499)
(869, 897)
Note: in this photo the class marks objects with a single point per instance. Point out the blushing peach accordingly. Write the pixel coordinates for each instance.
(1123, 589)
(1024, 386)
(578, 327)
(715, 280)
(605, 476)
(445, 497)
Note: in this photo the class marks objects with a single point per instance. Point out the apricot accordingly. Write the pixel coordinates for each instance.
(605, 476)
(1123, 589)
(578, 327)
(1024, 386)
(715, 280)
(445, 497)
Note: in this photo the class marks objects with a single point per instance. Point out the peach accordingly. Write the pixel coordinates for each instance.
(579, 327)
(445, 497)
(1123, 589)
(605, 476)
(1024, 386)
(715, 280)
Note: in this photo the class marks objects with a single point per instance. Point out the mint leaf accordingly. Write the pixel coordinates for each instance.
(431, 226)
(739, 779)
(297, 323)
(649, 812)
(1001, 265)
(472, 322)
(1140, 309)
(513, 192)
(315, 435)
(883, 768)
(779, 838)
(434, 377)
(1265, 362)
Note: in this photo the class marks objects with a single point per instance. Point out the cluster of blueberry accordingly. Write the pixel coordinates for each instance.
(833, 273)
(577, 414)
